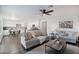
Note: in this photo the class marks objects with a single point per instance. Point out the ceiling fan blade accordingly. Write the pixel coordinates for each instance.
(48, 14)
(41, 10)
(50, 11)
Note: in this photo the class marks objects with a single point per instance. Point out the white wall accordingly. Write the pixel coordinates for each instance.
(63, 13)
(1, 29)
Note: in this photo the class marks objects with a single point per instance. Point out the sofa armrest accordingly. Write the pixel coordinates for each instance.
(32, 42)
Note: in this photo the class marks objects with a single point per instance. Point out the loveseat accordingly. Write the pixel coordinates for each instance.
(68, 36)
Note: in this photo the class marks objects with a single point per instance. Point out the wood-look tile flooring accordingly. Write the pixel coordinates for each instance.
(11, 44)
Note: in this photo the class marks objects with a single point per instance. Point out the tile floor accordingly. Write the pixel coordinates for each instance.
(11, 44)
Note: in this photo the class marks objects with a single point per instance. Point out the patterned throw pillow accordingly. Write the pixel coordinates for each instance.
(29, 35)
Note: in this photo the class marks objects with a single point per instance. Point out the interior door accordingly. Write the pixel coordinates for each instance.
(43, 27)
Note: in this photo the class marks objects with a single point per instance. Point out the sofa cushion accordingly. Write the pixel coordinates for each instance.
(29, 35)
(35, 33)
(42, 39)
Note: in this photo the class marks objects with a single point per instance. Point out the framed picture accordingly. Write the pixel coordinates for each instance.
(65, 24)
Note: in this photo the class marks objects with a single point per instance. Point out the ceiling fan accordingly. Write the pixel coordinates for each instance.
(46, 12)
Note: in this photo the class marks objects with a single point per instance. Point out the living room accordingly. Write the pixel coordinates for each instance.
(60, 23)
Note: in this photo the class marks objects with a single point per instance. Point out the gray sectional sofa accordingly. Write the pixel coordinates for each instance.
(27, 41)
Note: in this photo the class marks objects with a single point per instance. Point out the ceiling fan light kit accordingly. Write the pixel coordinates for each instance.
(46, 12)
